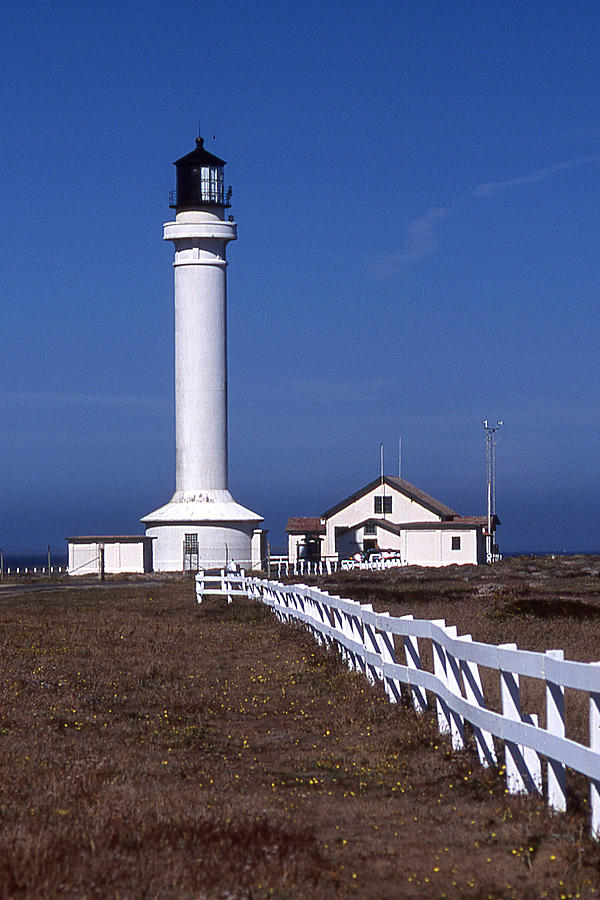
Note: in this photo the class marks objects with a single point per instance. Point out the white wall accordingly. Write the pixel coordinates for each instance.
(218, 545)
(294, 541)
(83, 559)
(434, 548)
(119, 557)
(259, 549)
(123, 557)
(403, 510)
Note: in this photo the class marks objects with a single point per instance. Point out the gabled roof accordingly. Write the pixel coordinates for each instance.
(399, 484)
(306, 525)
(380, 523)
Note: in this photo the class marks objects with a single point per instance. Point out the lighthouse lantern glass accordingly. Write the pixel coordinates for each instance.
(211, 179)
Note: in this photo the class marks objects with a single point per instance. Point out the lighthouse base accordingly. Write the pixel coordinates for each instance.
(208, 530)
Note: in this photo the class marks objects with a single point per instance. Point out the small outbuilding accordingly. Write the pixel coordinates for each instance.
(111, 554)
(306, 539)
(390, 514)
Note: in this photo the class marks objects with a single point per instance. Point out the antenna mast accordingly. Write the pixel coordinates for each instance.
(490, 459)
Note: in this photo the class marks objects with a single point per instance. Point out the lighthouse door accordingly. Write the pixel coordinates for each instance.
(190, 553)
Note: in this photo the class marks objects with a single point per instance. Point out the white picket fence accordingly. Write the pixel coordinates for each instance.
(34, 570)
(371, 643)
(223, 584)
(281, 567)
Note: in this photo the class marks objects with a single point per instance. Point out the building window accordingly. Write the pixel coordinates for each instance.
(190, 553)
(191, 543)
(456, 543)
(370, 528)
(383, 505)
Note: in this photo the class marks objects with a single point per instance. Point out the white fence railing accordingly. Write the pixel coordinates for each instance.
(280, 566)
(222, 584)
(373, 643)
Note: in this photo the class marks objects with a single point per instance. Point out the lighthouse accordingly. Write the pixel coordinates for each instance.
(201, 526)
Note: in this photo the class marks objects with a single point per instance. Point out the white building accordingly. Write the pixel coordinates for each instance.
(98, 554)
(202, 525)
(306, 538)
(391, 514)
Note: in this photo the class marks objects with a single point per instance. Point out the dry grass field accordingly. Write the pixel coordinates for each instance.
(153, 748)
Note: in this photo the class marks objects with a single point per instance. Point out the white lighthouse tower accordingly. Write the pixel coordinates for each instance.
(202, 526)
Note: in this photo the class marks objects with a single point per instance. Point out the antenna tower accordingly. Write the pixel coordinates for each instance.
(490, 459)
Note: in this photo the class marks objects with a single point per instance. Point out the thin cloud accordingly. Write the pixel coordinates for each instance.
(420, 241)
(488, 188)
(422, 233)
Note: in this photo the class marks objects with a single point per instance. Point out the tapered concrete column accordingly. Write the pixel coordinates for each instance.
(200, 240)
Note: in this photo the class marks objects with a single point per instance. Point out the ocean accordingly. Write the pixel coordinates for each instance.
(29, 559)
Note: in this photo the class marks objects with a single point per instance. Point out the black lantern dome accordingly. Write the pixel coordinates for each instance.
(200, 181)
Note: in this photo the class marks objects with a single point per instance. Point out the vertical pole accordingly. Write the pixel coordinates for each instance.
(200, 586)
(453, 681)
(595, 745)
(382, 479)
(474, 694)
(523, 774)
(440, 671)
(413, 661)
(101, 565)
(388, 655)
(48, 559)
(488, 539)
(533, 764)
(555, 724)
(1, 563)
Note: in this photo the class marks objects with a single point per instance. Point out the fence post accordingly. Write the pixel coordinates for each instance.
(511, 709)
(555, 724)
(371, 642)
(355, 632)
(453, 680)
(440, 671)
(533, 763)
(349, 628)
(413, 661)
(312, 610)
(200, 586)
(474, 694)
(388, 655)
(519, 778)
(337, 623)
(595, 746)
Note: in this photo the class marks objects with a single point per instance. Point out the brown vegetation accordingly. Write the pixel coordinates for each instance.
(153, 748)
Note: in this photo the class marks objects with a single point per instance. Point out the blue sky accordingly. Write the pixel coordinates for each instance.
(416, 191)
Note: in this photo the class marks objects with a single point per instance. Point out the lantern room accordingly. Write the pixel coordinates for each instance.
(200, 181)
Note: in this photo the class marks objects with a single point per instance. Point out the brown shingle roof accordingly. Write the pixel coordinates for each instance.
(308, 524)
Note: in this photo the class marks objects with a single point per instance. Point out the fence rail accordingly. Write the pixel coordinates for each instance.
(281, 566)
(374, 644)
